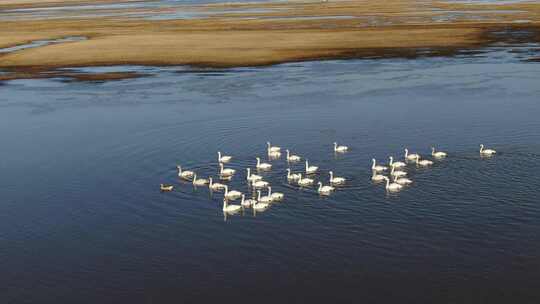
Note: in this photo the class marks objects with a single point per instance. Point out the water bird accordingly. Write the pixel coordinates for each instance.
(272, 148)
(247, 202)
(233, 194)
(423, 162)
(200, 181)
(164, 187)
(392, 186)
(260, 184)
(184, 174)
(274, 155)
(252, 177)
(376, 167)
(226, 172)
(263, 199)
(336, 180)
(259, 205)
(411, 156)
(292, 157)
(402, 180)
(397, 164)
(340, 148)
(305, 181)
(276, 196)
(215, 186)
(230, 208)
(310, 169)
(395, 173)
(293, 176)
(438, 154)
(224, 158)
(486, 151)
(377, 177)
(325, 190)
(263, 166)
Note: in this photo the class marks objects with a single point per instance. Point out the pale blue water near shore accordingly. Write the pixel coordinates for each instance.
(82, 219)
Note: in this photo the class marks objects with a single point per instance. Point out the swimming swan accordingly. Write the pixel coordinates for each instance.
(272, 148)
(252, 177)
(276, 196)
(377, 177)
(411, 156)
(438, 154)
(259, 205)
(215, 186)
(402, 180)
(230, 208)
(486, 151)
(423, 162)
(325, 190)
(263, 166)
(164, 187)
(397, 173)
(184, 174)
(376, 167)
(310, 169)
(260, 184)
(293, 176)
(200, 181)
(274, 155)
(305, 181)
(340, 148)
(224, 158)
(292, 158)
(336, 180)
(233, 194)
(263, 199)
(226, 172)
(397, 164)
(247, 202)
(392, 186)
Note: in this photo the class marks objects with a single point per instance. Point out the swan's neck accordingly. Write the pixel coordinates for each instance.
(221, 167)
(320, 186)
(481, 148)
(258, 161)
(287, 153)
(226, 190)
(243, 198)
(269, 191)
(224, 204)
(210, 182)
(179, 170)
(194, 177)
(307, 164)
(406, 152)
(432, 151)
(248, 173)
(387, 183)
(331, 175)
(373, 166)
(219, 155)
(258, 195)
(391, 160)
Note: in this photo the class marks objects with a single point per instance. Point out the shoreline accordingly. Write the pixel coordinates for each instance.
(406, 30)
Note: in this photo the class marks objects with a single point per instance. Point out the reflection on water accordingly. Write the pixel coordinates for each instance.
(82, 217)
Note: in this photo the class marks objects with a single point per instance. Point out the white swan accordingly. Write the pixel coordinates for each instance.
(215, 186)
(423, 162)
(230, 208)
(263, 166)
(377, 177)
(200, 181)
(293, 176)
(340, 148)
(305, 181)
(486, 151)
(336, 180)
(260, 184)
(438, 154)
(260, 205)
(233, 194)
(376, 167)
(411, 156)
(184, 174)
(272, 148)
(397, 164)
(310, 169)
(325, 190)
(397, 173)
(164, 187)
(252, 177)
(392, 186)
(292, 157)
(274, 155)
(224, 158)
(263, 199)
(402, 180)
(276, 196)
(226, 172)
(247, 202)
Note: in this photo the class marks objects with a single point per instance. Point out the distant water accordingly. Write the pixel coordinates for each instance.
(82, 219)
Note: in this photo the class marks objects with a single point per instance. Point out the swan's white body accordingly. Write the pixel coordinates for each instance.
(392, 186)
(293, 176)
(247, 202)
(325, 190)
(184, 174)
(336, 180)
(272, 148)
(395, 173)
(292, 157)
(376, 167)
(230, 208)
(423, 162)
(274, 155)
(224, 158)
(267, 199)
(305, 181)
(310, 169)
(200, 181)
(232, 195)
(377, 177)
(215, 186)
(164, 187)
(263, 166)
(486, 151)
(411, 156)
(340, 148)
(402, 180)
(252, 177)
(438, 154)
(397, 164)
(226, 172)
(260, 205)
(276, 196)
(260, 184)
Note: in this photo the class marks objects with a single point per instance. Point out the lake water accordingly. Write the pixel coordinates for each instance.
(82, 219)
